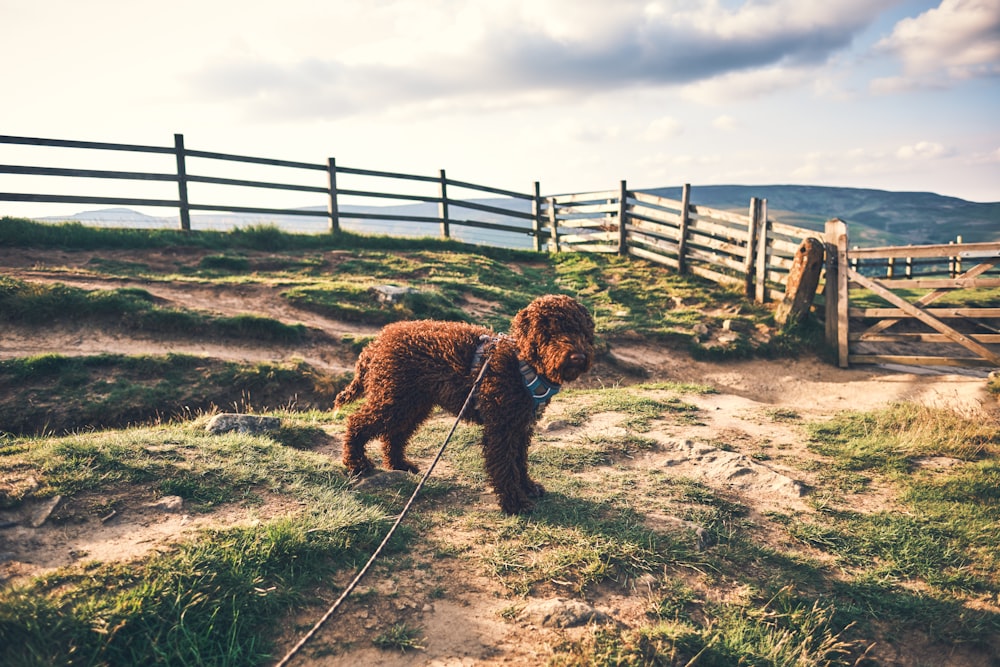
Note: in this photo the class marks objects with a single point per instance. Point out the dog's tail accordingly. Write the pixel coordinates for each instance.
(356, 389)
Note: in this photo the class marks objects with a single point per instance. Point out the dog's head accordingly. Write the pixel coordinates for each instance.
(555, 335)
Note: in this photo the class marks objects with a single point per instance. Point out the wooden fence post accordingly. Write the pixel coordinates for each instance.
(682, 233)
(332, 209)
(536, 212)
(553, 224)
(182, 186)
(623, 220)
(443, 207)
(748, 282)
(763, 229)
(836, 288)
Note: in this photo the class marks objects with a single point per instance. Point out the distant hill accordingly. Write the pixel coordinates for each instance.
(874, 217)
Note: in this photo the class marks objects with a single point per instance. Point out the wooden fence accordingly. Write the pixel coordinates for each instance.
(946, 315)
(749, 250)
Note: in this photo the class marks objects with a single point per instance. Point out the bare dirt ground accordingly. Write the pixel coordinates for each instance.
(472, 624)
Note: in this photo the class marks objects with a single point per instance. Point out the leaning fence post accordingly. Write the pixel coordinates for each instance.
(682, 233)
(182, 187)
(836, 289)
(623, 220)
(536, 216)
(332, 209)
(443, 207)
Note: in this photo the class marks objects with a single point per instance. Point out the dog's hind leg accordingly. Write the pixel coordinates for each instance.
(398, 433)
(361, 428)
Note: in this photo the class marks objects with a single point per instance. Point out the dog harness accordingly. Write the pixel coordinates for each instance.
(540, 389)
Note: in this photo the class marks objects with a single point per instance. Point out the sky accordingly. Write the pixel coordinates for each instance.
(575, 94)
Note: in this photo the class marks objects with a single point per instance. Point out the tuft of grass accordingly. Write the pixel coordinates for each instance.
(400, 637)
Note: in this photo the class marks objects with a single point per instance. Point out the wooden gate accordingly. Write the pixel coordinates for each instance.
(914, 305)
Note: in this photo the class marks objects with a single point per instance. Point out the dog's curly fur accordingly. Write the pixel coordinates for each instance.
(413, 366)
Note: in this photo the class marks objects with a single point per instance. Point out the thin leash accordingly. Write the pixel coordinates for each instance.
(357, 579)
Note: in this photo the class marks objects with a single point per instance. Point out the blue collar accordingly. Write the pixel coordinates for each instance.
(541, 390)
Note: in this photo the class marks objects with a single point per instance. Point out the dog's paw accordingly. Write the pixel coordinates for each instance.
(533, 489)
(362, 468)
(513, 506)
(404, 465)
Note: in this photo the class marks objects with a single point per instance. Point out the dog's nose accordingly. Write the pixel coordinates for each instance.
(578, 358)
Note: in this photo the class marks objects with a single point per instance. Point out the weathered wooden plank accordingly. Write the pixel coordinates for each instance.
(653, 257)
(917, 360)
(940, 313)
(941, 250)
(925, 317)
(719, 231)
(656, 200)
(714, 276)
(585, 197)
(722, 216)
(589, 223)
(919, 338)
(652, 227)
(660, 244)
(701, 241)
(594, 237)
(588, 209)
(943, 283)
(715, 258)
(798, 233)
(655, 215)
(590, 248)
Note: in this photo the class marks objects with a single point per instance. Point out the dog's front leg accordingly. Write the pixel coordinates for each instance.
(505, 450)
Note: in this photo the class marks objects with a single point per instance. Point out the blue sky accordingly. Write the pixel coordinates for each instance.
(576, 94)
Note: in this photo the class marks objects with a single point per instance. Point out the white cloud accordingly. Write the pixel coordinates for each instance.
(745, 85)
(922, 150)
(958, 40)
(725, 122)
(662, 129)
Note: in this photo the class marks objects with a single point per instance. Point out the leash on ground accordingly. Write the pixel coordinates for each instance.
(406, 508)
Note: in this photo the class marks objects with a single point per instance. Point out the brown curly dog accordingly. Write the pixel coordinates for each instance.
(413, 366)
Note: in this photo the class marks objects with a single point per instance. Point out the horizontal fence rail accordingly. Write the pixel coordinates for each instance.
(746, 250)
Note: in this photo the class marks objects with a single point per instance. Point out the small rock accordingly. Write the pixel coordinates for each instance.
(390, 293)
(557, 425)
(247, 424)
(736, 325)
(562, 613)
(44, 511)
(167, 504)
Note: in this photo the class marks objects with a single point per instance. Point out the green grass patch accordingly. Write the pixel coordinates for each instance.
(54, 393)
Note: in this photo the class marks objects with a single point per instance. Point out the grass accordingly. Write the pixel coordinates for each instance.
(54, 393)
(201, 601)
